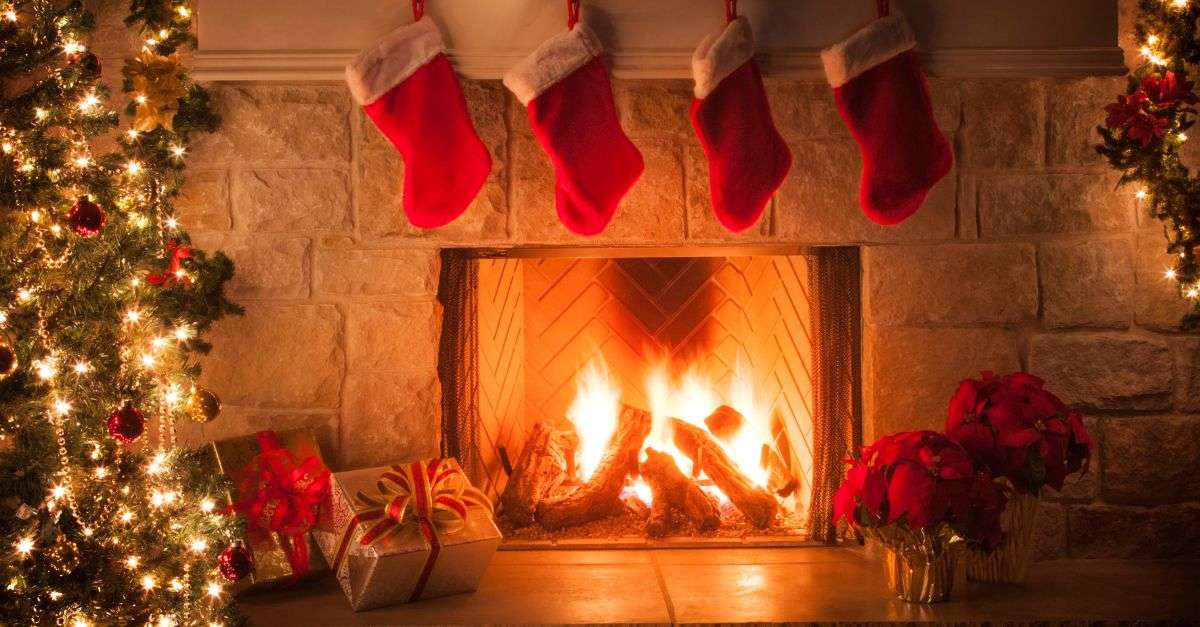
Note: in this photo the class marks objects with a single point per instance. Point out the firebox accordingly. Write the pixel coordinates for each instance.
(615, 396)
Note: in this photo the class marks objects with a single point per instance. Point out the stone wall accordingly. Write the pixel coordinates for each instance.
(1024, 257)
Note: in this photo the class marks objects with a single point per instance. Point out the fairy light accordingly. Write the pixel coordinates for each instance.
(89, 102)
(183, 333)
(24, 546)
(58, 491)
(1179, 4)
(158, 342)
(175, 584)
(7, 147)
(133, 316)
(56, 230)
(1182, 137)
(125, 517)
(166, 621)
(46, 369)
(81, 367)
(156, 464)
(1192, 292)
(132, 562)
(171, 396)
(213, 589)
(35, 216)
(72, 47)
(1169, 274)
(88, 532)
(199, 545)
(148, 582)
(80, 622)
(183, 11)
(1140, 194)
(24, 295)
(61, 407)
(207, 505)
(177, 151)
(10, 15)
(82, 162)
(172, 223)
(148, 360)
(101, 472)
(133, 167)
(132, 133)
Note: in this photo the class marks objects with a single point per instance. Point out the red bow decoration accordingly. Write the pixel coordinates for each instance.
(433, 493)
(282, 496)
(174, 272)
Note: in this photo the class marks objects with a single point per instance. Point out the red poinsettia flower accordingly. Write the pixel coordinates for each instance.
(919, 479)
(1125, 108)
(1017, 429)
(1146, 128)
(1170, 90)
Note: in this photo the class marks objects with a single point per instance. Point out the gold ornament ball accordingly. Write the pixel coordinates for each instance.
(8, 357)
(62, 556)
(203, 405)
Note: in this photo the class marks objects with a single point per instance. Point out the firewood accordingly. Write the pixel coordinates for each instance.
(724, 423)
(542, 467)
(635, 505)
(659, 522)
(779, 480)
(600, 495)
(671, 486)
(755, 503)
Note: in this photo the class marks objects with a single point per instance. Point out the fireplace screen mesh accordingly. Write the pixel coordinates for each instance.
(723, 343)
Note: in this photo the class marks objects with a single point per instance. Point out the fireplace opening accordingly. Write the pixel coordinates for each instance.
(616, 396)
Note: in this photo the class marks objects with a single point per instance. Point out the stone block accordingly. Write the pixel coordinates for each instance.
(1004, 124)
(266, 201)
(390, 418)
(1151, 460)
(1087, 284)
(659, 108)
(203, 202)
(652, 211)
(277, 124)
(277, 356)
(1121, 532)
(1050, 532)
(359, 272)
(1076, 108)
(911, 373)
(1158, 305)
(390, 337)
(950, 284)
(1187, 368)
(264, 267)
(1015, 205)
(818, 202)
(804, 110)
(111, 37)
(1105, 372)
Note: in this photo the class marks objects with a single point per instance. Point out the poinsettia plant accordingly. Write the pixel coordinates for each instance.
(921, 480)
(1019, 430)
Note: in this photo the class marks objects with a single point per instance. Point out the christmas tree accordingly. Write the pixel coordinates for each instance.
(103, 302)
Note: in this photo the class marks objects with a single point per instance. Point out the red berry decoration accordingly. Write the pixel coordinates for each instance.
(126, 424)
(234, 563)
(86, 217)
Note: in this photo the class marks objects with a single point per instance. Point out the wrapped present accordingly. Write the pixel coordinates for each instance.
(280, 481)
(400, 533)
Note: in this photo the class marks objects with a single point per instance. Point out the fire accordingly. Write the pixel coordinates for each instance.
(691, 397)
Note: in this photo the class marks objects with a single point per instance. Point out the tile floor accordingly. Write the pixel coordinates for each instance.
(750, 585)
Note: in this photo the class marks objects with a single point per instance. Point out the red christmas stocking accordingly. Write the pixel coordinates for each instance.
(408, 89)
(882, 96)
(747, 159)
(564, 86)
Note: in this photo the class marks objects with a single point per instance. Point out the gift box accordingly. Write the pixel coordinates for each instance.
(279, 480)
(396, 534)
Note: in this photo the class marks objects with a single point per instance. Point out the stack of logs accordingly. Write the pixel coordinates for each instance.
(535, 487)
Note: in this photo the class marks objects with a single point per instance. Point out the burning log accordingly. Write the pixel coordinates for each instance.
(724, 423)
(659, 522)
(755, 503)
(600, 496)
(671, 488)
(779, 481)
(543, 466)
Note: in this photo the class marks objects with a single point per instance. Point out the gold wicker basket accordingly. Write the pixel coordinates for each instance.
(1009, 562)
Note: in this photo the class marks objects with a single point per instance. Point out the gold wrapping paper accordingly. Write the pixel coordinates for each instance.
(919, 565)
(271, 565)
(387, 571)
(1009, 562)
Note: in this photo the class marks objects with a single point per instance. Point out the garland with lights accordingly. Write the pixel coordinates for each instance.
(103, 519)
(1145, 127)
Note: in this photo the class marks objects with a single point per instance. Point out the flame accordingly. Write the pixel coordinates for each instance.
(594, 412)
(691, 397)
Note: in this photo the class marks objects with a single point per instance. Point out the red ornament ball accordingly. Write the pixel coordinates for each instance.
(234, 563)
(126, 424)
(86, 217)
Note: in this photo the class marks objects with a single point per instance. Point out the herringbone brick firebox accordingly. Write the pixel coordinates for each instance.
(677, 336)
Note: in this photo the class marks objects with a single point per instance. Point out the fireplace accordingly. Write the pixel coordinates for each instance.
(618, 396)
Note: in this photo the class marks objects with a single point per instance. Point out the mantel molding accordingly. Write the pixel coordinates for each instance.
(324, 65)
(297, 40)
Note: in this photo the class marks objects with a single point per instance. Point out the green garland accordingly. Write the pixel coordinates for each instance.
(1146, 126)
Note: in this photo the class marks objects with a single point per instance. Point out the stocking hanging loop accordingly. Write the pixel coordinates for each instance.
(881, 7)
(730, 10)
(572, 14)
(418, 7)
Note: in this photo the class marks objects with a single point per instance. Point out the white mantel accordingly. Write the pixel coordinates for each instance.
(312, 39)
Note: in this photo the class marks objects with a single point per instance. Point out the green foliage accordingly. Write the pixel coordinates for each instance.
(68, 304)
(1172, 194)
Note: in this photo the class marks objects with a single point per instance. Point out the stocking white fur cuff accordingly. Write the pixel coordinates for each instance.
(553, 61)
(875, 43)
(389, 61)
(720, 53)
